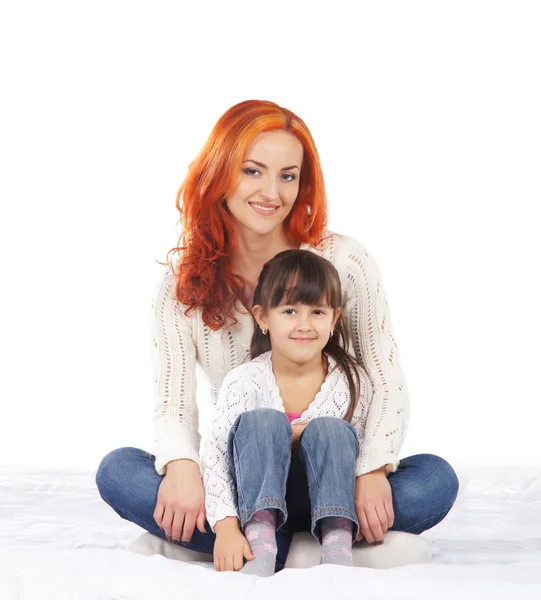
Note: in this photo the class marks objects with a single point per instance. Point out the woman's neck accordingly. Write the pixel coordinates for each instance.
(253, 250)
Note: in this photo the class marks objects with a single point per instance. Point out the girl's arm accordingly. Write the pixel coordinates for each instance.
(369, 320)
(176, 416)
(237, 395)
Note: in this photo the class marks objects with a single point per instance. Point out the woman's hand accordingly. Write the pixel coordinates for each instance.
(181, 501)
(374, 505)
(230, 547)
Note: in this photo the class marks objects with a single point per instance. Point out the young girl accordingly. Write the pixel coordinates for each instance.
(286, 430)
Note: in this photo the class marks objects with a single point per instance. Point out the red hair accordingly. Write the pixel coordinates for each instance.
(204, 275)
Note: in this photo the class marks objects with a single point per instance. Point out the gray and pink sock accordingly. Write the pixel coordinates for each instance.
(336, 541)
(260, 532)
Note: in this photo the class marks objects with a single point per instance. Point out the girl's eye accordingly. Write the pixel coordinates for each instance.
(317, 310)
(289, 175)
(250, 171)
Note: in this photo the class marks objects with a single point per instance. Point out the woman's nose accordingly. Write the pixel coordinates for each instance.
(270, 190)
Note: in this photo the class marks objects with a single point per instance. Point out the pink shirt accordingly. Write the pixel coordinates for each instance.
(293, 416)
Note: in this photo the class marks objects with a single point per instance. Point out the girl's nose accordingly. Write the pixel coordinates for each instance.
(304, 323)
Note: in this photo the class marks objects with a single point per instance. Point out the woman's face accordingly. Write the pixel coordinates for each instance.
(269, 177)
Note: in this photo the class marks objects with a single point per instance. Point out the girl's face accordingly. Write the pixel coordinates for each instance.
(269, 177)
(297, 331)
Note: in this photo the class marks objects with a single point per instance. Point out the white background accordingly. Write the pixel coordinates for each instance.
(427, 118)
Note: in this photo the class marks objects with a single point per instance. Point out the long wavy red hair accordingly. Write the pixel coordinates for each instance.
(204, 274)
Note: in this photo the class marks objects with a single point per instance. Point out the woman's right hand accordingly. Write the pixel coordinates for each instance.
(230, 547)
(181, 501)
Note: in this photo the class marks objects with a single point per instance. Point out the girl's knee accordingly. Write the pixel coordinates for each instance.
(262, 417)
(325, 426)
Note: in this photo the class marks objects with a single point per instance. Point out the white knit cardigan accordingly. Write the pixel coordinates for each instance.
(253, 385)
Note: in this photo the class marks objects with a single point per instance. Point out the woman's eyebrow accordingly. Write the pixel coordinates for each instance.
(265, 166)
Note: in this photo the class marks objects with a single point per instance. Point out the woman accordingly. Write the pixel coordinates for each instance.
(256, 189)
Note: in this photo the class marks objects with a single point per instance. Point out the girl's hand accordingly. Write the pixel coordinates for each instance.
(181, 501)
(230, 547)
(374, 505)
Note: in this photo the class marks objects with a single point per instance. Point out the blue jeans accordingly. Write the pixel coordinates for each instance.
(317, 481)
(424, 489)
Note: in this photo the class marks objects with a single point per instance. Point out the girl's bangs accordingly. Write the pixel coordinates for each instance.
(301, 287)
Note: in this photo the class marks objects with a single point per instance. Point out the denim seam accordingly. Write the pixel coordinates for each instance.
(238, 477)
(316, 515)
(246, 514)
(321, 513)
(310, 461)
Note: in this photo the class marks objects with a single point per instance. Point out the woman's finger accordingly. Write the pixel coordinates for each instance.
(189, 525)
(375, 525)
(382, 516)
(158, 514)
(177, 525)
(388, 503)
(201, 519)
(365, 527)
(167, 522)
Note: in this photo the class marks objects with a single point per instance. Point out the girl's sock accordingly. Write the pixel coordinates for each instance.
(260, 532)
(336, 541)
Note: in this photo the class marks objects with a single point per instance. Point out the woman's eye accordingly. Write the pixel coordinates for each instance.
(289, 175)
(250, 171)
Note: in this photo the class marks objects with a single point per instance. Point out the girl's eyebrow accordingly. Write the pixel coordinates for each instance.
(292, 304)
(265, 166)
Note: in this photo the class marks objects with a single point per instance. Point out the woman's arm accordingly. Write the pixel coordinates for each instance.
(368, 316)
(176, 416)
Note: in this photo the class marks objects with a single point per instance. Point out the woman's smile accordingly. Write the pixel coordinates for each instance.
(262, 209)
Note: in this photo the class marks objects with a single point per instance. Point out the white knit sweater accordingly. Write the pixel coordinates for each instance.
(252, 385)
(180, 342)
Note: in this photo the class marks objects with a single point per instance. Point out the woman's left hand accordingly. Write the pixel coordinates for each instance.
(374, 505)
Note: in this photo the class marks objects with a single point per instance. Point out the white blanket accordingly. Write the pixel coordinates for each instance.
(58, 540)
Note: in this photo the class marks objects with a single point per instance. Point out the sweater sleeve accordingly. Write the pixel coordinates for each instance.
(237, 395)
(176, 417)
(369, 321)
(360, 416)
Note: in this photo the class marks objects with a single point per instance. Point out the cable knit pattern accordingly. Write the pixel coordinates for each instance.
(252, 385)
(181, 342)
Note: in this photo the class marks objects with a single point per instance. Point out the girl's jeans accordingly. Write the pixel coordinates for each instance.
(315, 481)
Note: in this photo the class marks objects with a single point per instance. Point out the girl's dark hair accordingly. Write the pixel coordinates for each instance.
(301, 276)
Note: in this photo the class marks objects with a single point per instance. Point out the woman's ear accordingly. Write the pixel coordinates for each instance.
(257, 311)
